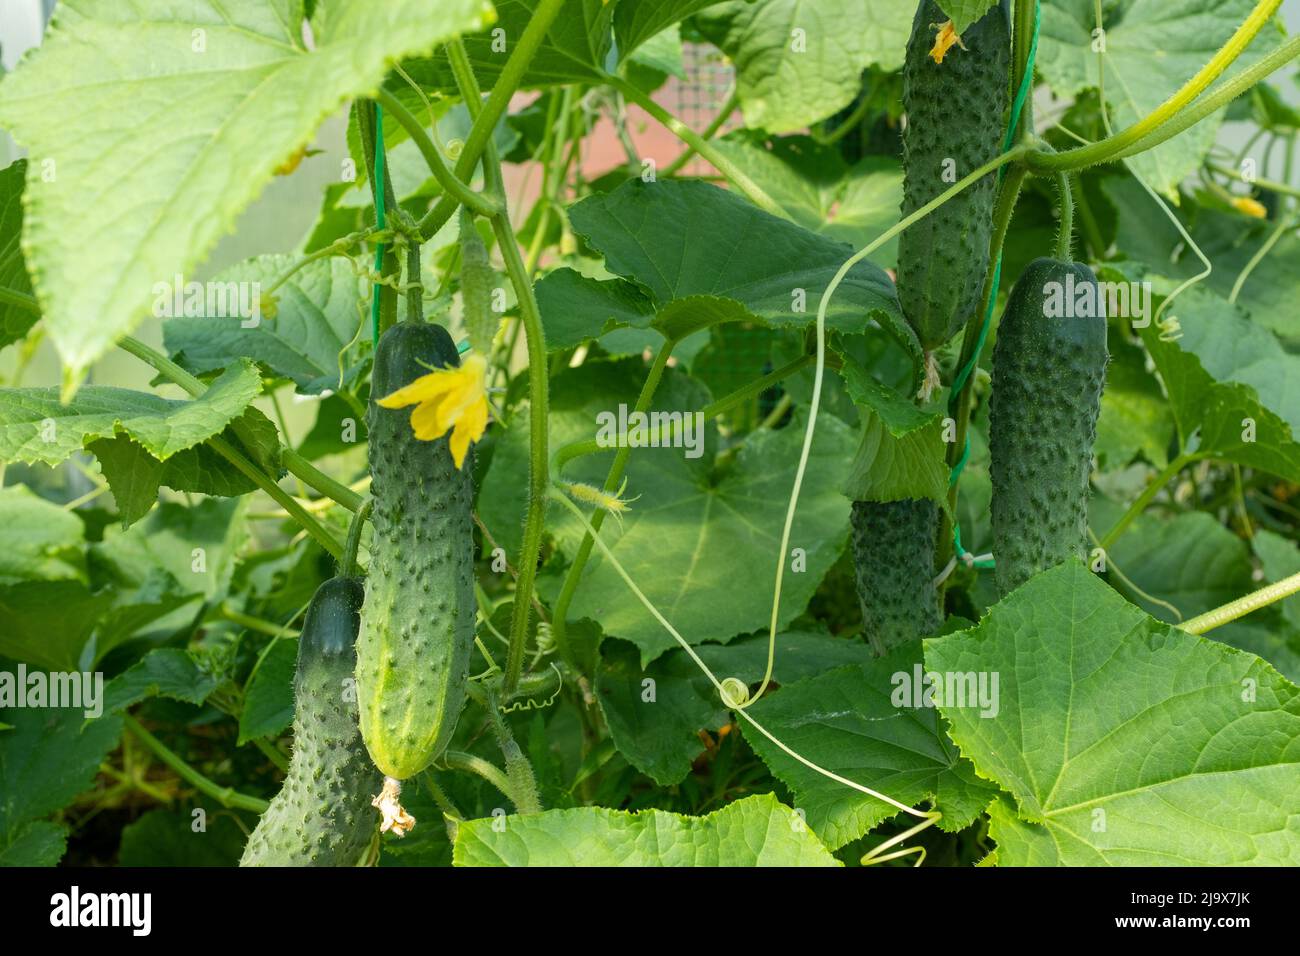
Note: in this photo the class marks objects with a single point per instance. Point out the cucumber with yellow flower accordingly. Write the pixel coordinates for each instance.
(417, 624)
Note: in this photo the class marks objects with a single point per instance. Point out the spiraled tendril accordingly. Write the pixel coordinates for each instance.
(734, 693)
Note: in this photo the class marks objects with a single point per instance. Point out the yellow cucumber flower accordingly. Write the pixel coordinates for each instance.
(1251, 207)
(944, 42)
(447, 398)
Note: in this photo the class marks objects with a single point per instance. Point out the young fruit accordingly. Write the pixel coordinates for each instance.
(956, 112)
(417, 626)
(322, 815)
(893, 553)
(1049, 366)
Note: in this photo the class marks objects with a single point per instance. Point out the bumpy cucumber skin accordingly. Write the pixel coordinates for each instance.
(1048, 373)
(322, 814)
(955, 110)
(893, 555)
(417, 626)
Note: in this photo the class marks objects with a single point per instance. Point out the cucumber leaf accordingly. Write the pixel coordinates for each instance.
(14, 321)
(755, 831)
(1123, 741)
(243, 83)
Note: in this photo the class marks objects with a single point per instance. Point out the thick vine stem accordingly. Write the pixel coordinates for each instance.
(1065, 239)
(487, 114)
(389, 264)
(1242, 606)
(1149, 130)
(348, 564)
(1022, 41)
(476, 202)
(227, 797)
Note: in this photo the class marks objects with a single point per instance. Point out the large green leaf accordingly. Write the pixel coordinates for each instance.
(965, 12)
(47, 757)
(798, 62)
(658, 732)
(1153, 47)
(36, 427)
(703, 546)
(1124, 741)
(573, 51)
(638, 21)
(705, 255)
(14, 322)
(164, 672)
(853, 722)
(307, 340)
(755, 831)
(238, 79)
(822, 192)
(39, 541)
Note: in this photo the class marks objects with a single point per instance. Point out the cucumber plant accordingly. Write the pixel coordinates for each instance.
(641, 477)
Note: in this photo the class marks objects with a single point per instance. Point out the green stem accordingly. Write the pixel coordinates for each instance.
(488, 113)
(1243, 606)
(271, 753)
(467, 197)
(384, 199)
(1270, 185)
(561, 608)
(724, 112)
(1065, 240)
(459, 760)
(1151, 129)
(851, 122)
(1282, 229)
(538, 380)
(1148, 494)
(735, 175)
(226, 796)
(257, 624)
(523, 782)
(1026, 16)
(348, 566)
(323, 483)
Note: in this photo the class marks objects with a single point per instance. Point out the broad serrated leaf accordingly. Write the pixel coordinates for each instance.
(576, 308)
(797, 62)
(855, 722)
(755, 831)
(164, 672)
(705, 255)
(311, 339)
(48, 757)
(820, 191)
(36, 427)
(39, 541)
(249, 93)
(15, 322)
(635, 23)
(658, 733)
(1124, 741)
(1152, 47)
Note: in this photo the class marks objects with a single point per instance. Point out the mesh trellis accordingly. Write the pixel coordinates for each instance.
(697, 99)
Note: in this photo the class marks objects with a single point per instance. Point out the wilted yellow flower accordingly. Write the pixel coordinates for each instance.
(944, 42)
(1251, 207)
(447, 398)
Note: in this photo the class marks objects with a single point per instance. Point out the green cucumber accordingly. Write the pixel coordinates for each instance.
(322, 815)
(1049, 367)
(893, 555)
(417, 626)
(956, 114)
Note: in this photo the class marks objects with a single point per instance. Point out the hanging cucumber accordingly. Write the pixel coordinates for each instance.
(893, 554)
(417, 626)
(956, 114)
(322, 815)
(1049, 367)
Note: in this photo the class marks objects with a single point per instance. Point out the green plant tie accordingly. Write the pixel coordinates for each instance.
(964, 373)
(380, 219)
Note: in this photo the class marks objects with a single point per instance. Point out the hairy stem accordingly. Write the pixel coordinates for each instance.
(1242, 606)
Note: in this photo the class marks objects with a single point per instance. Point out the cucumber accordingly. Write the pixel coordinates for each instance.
(322, 814)
(893, 555)
(1048, 373)
(417, 625)
(956, 111)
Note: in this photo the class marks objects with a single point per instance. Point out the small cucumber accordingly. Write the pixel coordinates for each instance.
(417, 626)
(1049, 367)
(956, 114)
(322, 814)
(893, 554)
